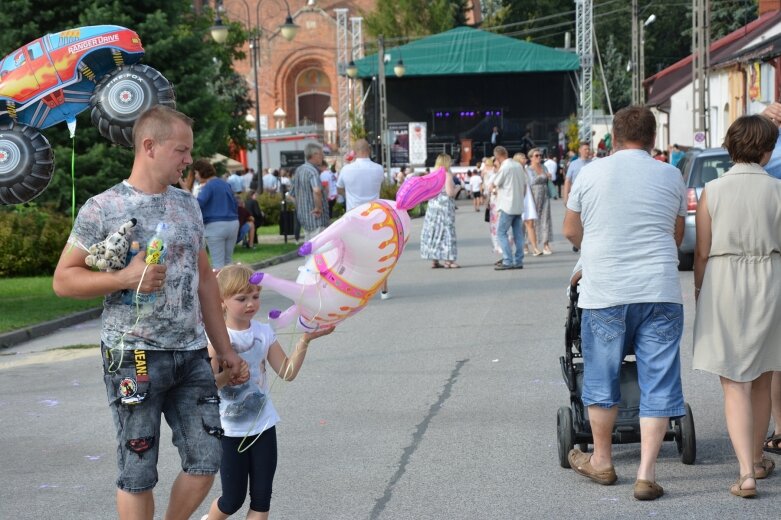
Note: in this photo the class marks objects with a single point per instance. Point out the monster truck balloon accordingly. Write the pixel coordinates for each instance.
(53, 79)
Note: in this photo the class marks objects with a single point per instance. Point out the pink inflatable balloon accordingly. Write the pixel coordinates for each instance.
(349, 261)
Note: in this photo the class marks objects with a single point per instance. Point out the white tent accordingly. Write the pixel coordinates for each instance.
(231, 165)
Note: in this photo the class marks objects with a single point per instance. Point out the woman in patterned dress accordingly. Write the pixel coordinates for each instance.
(540, 177)
(438, 236)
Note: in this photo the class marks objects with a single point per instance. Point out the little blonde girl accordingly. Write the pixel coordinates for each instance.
(249, 447)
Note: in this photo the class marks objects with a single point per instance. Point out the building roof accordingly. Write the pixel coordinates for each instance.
(465, 50)
(765, 49)
(662, 85)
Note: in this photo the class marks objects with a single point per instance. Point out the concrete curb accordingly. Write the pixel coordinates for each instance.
(14, 337)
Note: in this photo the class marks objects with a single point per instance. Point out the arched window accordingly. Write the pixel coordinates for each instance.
(313, 96)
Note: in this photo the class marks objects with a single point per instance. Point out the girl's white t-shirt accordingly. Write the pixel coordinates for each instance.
(247, 409)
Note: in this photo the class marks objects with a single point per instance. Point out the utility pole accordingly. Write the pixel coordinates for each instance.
(635, 54)
(584, 40)
(700, 72)
(343, 56)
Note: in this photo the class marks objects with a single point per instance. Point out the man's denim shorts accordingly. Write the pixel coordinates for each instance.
(143, 384)
(654, 330)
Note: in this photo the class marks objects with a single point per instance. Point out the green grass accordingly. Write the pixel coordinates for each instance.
(262, 252)
(268, 230)
(26, 301)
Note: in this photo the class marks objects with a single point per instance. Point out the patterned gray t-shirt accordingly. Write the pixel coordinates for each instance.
(176, 322)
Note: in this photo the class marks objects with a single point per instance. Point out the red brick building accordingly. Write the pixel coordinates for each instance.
(299, 77)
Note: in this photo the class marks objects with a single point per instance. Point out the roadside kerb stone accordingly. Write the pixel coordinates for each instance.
(14, 337)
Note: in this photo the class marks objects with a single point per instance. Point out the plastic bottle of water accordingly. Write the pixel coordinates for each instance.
(128, 295)
(155, 254)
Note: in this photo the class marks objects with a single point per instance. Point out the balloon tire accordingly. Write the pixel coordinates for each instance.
(26, 163)
(147, 87)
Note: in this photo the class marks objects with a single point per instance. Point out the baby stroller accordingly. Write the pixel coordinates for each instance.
(573, 427)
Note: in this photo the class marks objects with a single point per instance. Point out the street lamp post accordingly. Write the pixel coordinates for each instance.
(651, 19)
(399, 71)
(219, 33)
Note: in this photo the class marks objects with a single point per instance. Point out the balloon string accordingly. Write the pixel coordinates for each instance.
(73, 181)
(242, 448)
(121, 347)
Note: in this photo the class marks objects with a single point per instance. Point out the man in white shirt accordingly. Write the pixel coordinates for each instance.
(236, 182)
(360, 181)
(247, 179)
(270, 182)
(328, 180)
(552, 166)
(511, 185)
(630, 292)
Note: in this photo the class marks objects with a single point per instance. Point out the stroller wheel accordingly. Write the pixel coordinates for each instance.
(583, 447)
(566, 434)
(685, 438)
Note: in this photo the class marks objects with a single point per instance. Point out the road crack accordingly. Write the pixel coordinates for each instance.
(420, 431)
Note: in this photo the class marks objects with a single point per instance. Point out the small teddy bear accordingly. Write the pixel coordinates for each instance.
(110, 254)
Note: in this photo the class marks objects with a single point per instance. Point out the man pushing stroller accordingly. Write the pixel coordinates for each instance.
(626, 215)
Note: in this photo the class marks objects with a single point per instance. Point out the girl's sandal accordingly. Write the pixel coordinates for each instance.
(737, 488)
(436, 265)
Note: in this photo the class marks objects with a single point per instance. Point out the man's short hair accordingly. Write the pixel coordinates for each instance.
(157, 122)
(312, 148)
(501, 150)
(749, 138)
(634, 124)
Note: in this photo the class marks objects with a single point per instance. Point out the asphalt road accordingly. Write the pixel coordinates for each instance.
(439, 403)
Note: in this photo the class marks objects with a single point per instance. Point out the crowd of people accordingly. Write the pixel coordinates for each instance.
(498, 195)
(630, 293)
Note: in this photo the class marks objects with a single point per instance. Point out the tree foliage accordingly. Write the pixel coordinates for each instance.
(408, 19)
(667, 40)
(177, 43)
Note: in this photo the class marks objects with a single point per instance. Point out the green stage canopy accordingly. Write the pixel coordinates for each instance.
(465, 50)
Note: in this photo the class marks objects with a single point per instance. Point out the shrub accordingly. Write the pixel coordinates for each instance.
(388, 191)
(31, 241)
(338, 211)
(271, 206)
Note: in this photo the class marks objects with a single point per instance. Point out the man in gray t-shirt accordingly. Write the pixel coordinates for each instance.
(626, 214)
(156, 364)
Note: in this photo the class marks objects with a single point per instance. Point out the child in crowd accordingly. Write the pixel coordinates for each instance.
(249, 447)
(476, 186)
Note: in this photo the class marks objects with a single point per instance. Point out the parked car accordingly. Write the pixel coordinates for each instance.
(698, 167)
(53, 79)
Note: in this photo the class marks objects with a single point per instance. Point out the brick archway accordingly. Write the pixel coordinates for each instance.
(294, 65)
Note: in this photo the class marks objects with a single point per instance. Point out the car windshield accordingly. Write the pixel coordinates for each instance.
(13, 62)
(709, 168)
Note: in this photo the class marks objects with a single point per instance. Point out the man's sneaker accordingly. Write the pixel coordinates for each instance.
(502, 267)
(384, 295)
(517, 267)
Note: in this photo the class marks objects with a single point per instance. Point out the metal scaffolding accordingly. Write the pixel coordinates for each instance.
(700, 72)
(343, 82)
(356, 97)
(349, 47)
(584, 29)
